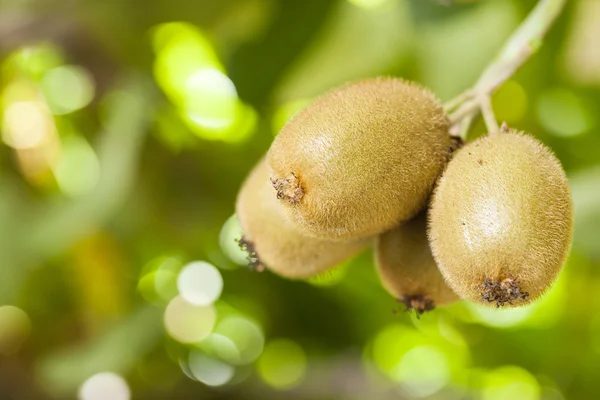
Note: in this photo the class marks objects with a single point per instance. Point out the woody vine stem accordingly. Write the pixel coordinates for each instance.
(519, 47)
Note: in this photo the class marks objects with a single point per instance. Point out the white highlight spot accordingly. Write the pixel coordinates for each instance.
(211, 99)
(189, 323)
(105, 385)
(210, 371)
(67, 88)
(26, 124)
(200, 283)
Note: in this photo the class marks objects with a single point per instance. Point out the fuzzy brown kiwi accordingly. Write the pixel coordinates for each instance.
(407, 269)
(274, 243)
(360, 159)
(501, 220)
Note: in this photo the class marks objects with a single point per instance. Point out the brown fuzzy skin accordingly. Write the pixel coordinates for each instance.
(501, 220)
(407, 269)
(279, 246)
(362, 158)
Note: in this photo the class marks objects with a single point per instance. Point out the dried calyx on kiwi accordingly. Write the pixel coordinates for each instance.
(501, 292)
(273, 243)
(254, 262)
(501, 220)
(360, 159)
(407, 269)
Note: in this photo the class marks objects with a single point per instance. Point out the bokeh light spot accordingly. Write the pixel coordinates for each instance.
(185, 368)
(282, 364)
(189, 72)
(423, 371)
(228, 240)
(208, 370)
(392, 344)
(181, 50)
(211, 99)
(562, 113)
(78, 169)
(542, 314)
(389, 347)
(189, 323)
(26, 124)
(38, 59)
(105, 385)
(147, 289)
(15, 327)
(510, 382)
(510, 102)
(368, 4)
(67, 88)
(165, 279)
(165, 283)
(158, 282)
(245, 335)
(500, 318)
(222, 347)
(200, 283)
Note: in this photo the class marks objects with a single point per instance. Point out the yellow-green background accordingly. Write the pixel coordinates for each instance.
(117, 168)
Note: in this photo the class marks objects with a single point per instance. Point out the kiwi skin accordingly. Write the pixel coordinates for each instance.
(407, 269)
(274, 243)
(501, 220)
(360, 159)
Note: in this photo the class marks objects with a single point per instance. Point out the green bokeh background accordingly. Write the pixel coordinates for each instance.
(127, 129)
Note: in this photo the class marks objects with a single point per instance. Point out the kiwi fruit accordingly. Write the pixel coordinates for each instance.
(501, 220)
(274, 243)
(360, 159)
(407, 269)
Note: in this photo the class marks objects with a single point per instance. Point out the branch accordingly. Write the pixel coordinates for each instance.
(487, 111)
(522, 44)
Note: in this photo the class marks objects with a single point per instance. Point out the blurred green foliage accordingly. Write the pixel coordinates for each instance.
(127, 129)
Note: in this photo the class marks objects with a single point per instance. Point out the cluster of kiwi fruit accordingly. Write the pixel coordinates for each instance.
(373, 161)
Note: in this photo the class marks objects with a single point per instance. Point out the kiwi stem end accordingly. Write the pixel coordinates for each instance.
(504, 128)
(288, 188)
(254, 262)
(421, 304)
(502, 291)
